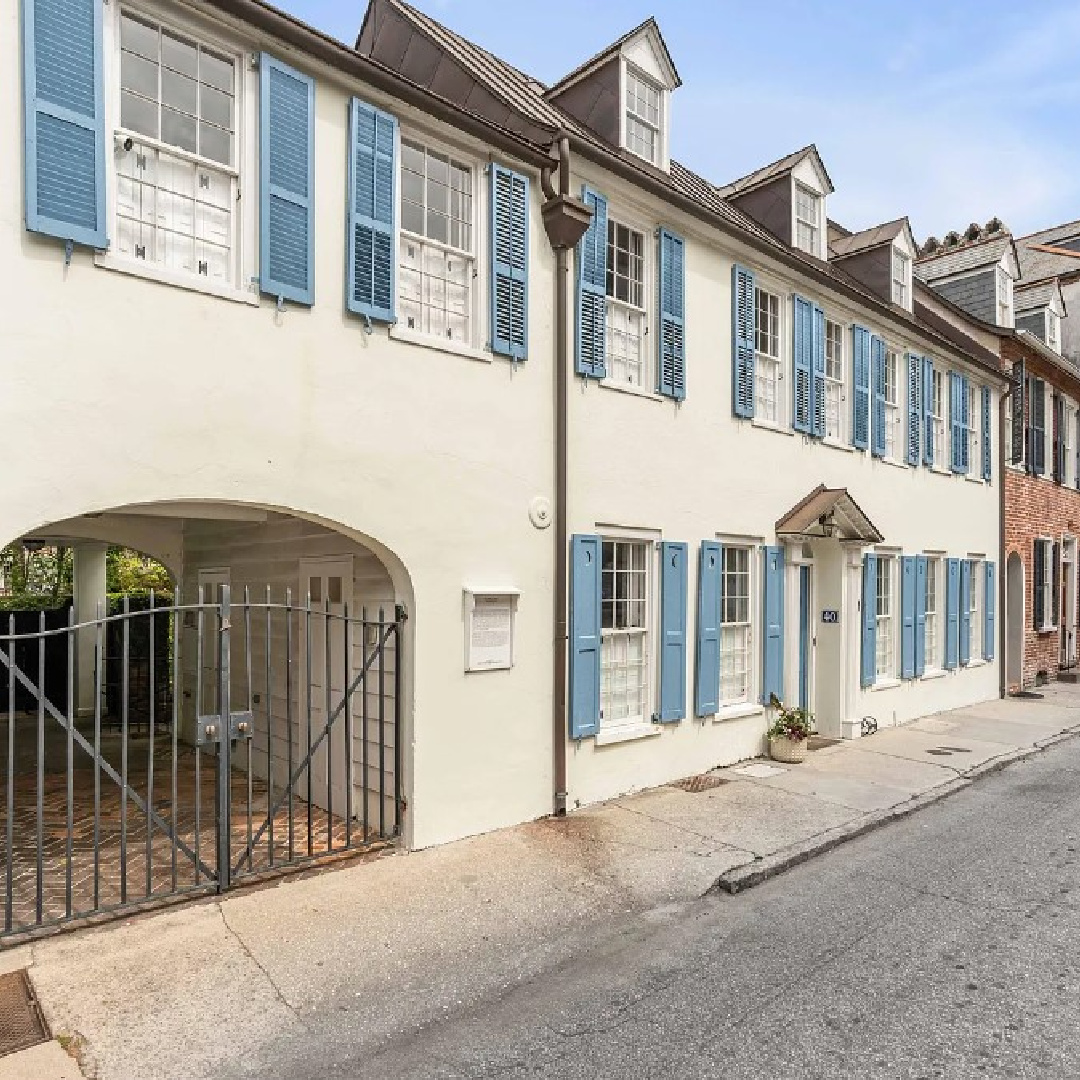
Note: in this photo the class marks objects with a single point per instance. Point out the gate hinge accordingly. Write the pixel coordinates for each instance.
(400, 614)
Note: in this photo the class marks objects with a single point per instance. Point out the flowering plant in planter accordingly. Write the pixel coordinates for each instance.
(790, 732)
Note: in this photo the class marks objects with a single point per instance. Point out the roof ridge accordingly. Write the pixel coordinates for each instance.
(1048, 229)
(770, 165)
(616, 44)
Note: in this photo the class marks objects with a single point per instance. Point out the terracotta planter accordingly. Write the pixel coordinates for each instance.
(791, 751)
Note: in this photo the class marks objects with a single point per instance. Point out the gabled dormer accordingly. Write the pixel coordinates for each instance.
(1040, 307)
(788, 198)
(880, 258)
(623, 94)
(975, 271)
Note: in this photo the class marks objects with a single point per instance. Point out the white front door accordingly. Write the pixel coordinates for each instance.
(325, 675)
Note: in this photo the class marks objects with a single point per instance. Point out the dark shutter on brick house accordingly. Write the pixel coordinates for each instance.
(1019, 394)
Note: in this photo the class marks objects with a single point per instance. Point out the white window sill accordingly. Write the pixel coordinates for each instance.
(976, 480)
(1046, 630)
(633, 391)
(885, 684)
(980, 662)
(837, 444)
(893, 462)
(769, 425)
(427, 341)
(737, 712)
(176, 278)
(626, 734)
(933, 673)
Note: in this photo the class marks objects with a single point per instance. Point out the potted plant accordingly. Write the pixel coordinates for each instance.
(789, 735)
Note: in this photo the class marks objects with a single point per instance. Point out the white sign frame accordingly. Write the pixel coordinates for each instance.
(490, 617)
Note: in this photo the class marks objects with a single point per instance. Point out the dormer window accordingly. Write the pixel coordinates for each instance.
(807, 220)
(644, 116)
(1004, 298)
(1053, 330)
(901, 279)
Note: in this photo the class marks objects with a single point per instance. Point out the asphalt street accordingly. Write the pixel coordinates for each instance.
(944, 945)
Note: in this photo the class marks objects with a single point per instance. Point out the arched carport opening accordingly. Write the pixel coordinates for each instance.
(278, 739)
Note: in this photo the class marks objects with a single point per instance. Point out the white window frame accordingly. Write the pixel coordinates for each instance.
(973, 434)
(1068, 478)
(893, 412)
(836, 388)
(615, 730)
(1048, 623)
(901, 285)
(632, 71)
(888, 622)
(745, 627)
(220, 39)
(764, 362)
(939, 405)
(975, 606)
(812, 225)
(646, 312)
(1004, 298)
(1053, 330)
(935, 615)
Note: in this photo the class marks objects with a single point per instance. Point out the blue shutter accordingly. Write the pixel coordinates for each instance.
(802, 352)
(710, 598)
(818, 372)
(772, 675)
(860, 375)
(907, 617)
(509, 263)
(877, 357)
(989, 611)
(967, 424)
(672, 309)
(743, 318)
(64, 120)
(920, 615)
(987, 459)
(585, 562)
(286, 182)
(591, 339)
(869, 619)
(928, 410)
(952, 612)
(914, 408)
(956, 462)
(372, 263)
(965, 611)
(672, 632)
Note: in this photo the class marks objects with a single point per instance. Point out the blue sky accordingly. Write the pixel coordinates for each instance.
(950, 111)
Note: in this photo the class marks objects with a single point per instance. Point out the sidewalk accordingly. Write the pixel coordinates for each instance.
(364, 953)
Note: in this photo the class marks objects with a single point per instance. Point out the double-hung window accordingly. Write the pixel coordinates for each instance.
(941, 460)
(807, 219)
(1004, 298)
(1053, 330)
(624, 649)
(1044, 583)
(901, 268)
(437, 259)
(834, 381)
(644, 116)
(177, 161)
(934, 637)
(978, 580)
(627, 321)
(768, 363)
(736, 668)
(892, 401)
(886, 621)
(1068, 416)
(973, 432)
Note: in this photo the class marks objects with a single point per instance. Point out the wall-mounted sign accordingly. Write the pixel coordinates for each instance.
(830, 615)
(489, 629)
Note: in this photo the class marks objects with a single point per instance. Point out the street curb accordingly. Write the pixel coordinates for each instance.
(741, 878)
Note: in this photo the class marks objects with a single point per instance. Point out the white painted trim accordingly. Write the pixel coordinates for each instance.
(737, 712)
(885, 684)
(429, 341)
(933, 673)
(176, 278)
(627, 734)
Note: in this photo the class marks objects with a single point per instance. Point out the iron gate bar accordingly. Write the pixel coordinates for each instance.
(378, 650)
(223, 799)
(8, 898)
(70, 760)
(382, 731)
(99, 632)
(40, 769)
(175, 728)
(124, 694)
(348, 735)
(45, 705)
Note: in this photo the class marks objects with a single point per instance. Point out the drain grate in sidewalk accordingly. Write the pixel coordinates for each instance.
(697, 784)
(20, 1021)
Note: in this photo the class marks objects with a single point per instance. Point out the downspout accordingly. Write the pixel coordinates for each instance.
(1001, 624)
(565, 219)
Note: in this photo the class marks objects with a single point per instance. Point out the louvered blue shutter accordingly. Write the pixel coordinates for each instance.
(772, 674)
(803, 350)
(370, 288)
(952, 612)
(286, 182)
(860, 372)
(710, 598)
(907, 617)
(914, 417)
(818, 372)
(743, 319)
(672, 632)
(585, 561)
(672, 309)
(64, 120)
(869, 620)
(877, 357)
(920, 615)
(928, 410)
(990, 612)
(987, 440)
(509, 263)
(590, 343)
(967, 424)
(955, 420)
(965, 611)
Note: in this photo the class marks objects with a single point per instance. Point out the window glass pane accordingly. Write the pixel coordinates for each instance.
(215, 143)
(139, 75)
(216, 71)
(137, 37)
(178, 129)
(315, 589)
(334, 589)
(216, 107)
(179, 55)
(138, 114)
(179, 92)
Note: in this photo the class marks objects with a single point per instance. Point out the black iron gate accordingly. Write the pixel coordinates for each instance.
(273, 743)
